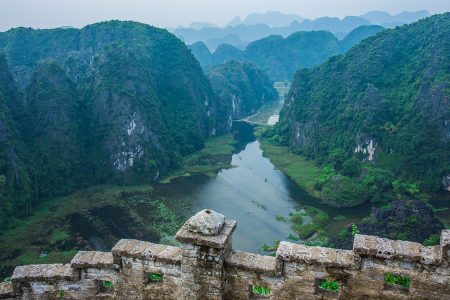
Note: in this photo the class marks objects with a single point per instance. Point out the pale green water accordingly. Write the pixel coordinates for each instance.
(253, 192)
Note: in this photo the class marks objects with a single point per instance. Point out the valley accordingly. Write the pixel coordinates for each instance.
(121, 130)
(231, 175)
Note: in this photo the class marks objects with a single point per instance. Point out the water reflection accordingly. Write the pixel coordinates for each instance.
(253, 192)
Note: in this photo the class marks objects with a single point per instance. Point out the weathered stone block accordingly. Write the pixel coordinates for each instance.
(146, 251)
(400, 250)
(220, 241)
(6, 290)
(45, 273)
(254, 263)
(92, 259)
(317, 255)
(206, 222)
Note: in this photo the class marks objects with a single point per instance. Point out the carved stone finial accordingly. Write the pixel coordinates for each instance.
(207, 222)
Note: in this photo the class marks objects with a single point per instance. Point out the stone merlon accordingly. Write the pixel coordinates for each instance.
(53, 272)
(317, 255)
(146, 251)
(206, 267)
(366, 245)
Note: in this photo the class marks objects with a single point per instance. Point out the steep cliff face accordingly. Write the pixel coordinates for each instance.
(385, 102)
(112, 102)
(14, 180)
(242, 88)
(51, 130)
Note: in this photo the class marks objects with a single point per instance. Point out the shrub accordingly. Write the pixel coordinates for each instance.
(432, 240)
(329, 285)
(106, 284)
(297, 218)
(320, 218)
(304, 231)
(351, 167)
(155, 277)
(260, 290)
(343, 191)
(390, 278)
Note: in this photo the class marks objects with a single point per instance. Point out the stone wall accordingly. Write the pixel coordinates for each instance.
(206, 267)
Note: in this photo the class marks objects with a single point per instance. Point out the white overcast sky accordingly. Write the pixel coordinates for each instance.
(171, 13)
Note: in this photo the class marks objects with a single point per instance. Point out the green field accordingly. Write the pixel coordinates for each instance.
(214, 156)
(300, 170)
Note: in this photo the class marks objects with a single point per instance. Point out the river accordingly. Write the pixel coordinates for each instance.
(253, 192)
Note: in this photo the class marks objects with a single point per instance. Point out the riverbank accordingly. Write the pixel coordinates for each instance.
(216, 155)
(300, 170)
(97, 217)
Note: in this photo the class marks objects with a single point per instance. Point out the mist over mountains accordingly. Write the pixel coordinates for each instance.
(281, 57)
(240, 33)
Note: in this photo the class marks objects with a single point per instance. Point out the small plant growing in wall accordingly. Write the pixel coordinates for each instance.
(397, 280)
(154, 277)
(355, 229)
(258, 290)
(329, 285)
(61, 294)
(105, 286)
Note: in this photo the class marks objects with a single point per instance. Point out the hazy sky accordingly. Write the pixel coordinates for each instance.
(171, 13)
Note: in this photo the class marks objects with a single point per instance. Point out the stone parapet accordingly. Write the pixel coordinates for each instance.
(6, 290)
(47, 273)
(365, 245)
(206, 267)
(318, 255)
(255, 263)
(146, 251)
(93, 259)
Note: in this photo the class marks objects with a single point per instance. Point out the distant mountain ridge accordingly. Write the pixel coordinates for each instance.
(257, 26)
(281, 57)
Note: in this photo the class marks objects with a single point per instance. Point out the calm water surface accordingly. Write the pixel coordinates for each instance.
(253, 192)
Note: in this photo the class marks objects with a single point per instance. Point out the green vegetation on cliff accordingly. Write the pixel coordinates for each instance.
(377, 118)
(242, 89)
(113, 102)
(281, 57)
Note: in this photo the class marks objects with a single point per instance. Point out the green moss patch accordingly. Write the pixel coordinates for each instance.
(329, 285)
(258, 290)
(399, 280)
(155, 277)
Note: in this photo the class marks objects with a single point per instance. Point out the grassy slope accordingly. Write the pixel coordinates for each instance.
(303, 172)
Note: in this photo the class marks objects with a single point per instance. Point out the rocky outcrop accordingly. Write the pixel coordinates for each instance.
(446, 183)
(407, 219)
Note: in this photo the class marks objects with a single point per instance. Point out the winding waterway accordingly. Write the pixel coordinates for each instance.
(253, 192)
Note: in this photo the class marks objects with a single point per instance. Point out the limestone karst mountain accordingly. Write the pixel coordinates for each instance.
(386, 102)
(281, 57)
(113, 102)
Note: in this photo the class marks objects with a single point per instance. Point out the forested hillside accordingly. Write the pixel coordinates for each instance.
(114, 102)
(378, 117)
(281, 57)
(242, 89)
